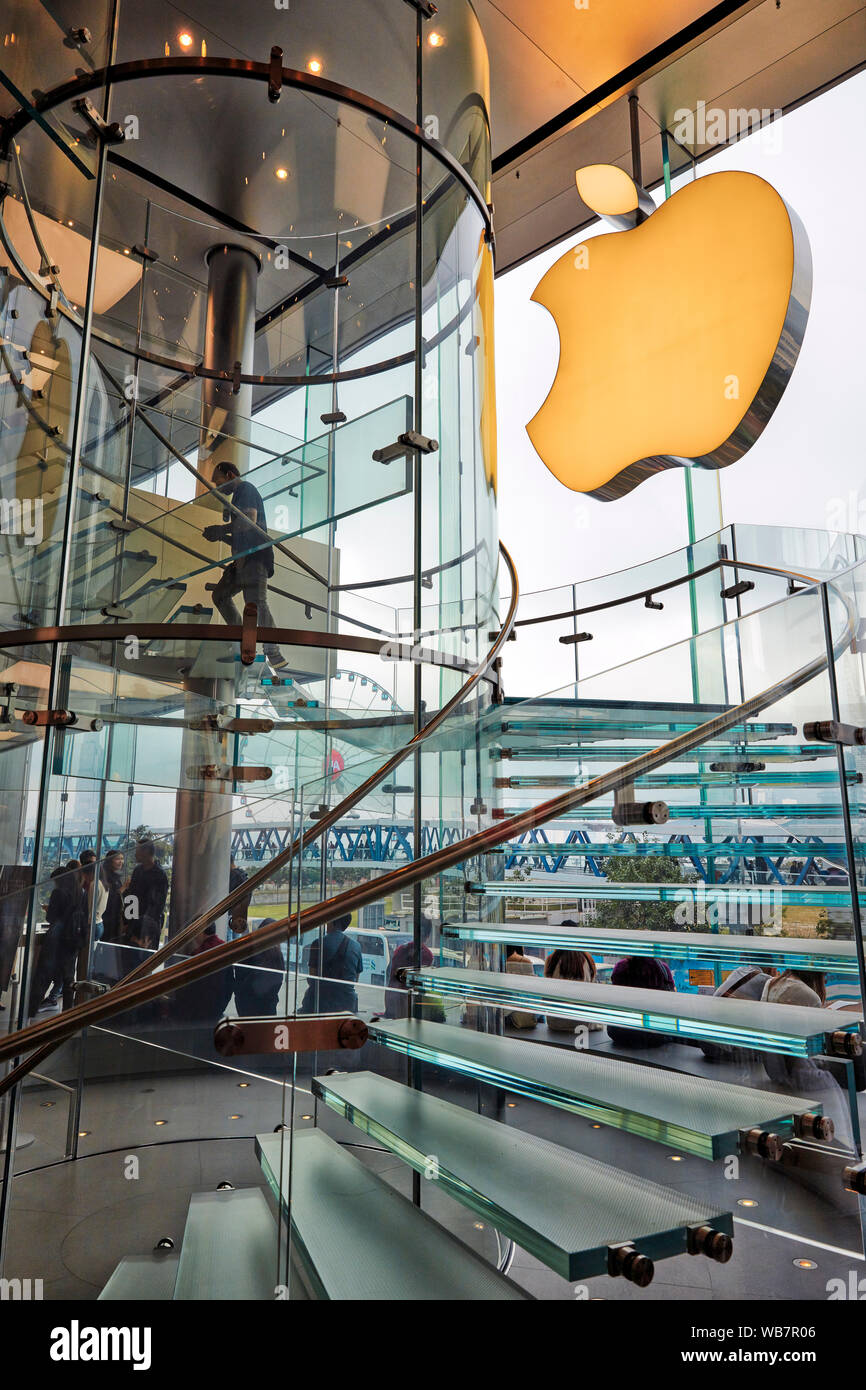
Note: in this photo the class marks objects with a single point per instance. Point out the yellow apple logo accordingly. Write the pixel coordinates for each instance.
(677, 337)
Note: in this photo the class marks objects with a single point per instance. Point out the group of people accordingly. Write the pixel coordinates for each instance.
(124, 910)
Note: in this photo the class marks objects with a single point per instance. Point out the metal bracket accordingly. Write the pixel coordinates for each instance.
(224, 723)
(319, 1033)
(854, 1178)
(574, 637)
(334, 417)
(831, 731)
(627, 811)
(248, 634)
(410, 442)
(225, 772)
(706, 1240)
(112, 134)
(275, 74)
(650, 602)
(425, 8)
(762, 1143)
(624, 1260)
(735, 590)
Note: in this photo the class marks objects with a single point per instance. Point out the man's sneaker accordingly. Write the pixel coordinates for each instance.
(277, 662)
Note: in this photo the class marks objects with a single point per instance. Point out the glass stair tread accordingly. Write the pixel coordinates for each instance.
(781, 1028)
(762, 893)
(565, 1208)
(788, 953)
(142, 1279)
(670, 1107)
(706, 753)
(356, 1237)
(229, 1248)
(709, 811)
(681, 849)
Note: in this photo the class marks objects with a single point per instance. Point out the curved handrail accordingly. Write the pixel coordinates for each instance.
(320, 827)
(808, 580)
(134, 992)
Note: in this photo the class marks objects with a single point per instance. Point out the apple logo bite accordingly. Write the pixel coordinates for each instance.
(677, 336)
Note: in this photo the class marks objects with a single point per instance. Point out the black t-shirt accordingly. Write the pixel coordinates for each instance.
(246, 535)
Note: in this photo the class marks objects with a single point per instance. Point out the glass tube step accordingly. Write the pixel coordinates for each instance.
(564, 1208)
(142, 1279)
(695, 811)
(726, 950)
(690, 779)
(781, 1028)
(679, 849)
(666, 1106)
(701, 894)
(229, 1248)
(708, 752)
(355, 1236)
(579, 729)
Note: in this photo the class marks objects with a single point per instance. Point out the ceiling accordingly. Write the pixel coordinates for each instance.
(561, 76)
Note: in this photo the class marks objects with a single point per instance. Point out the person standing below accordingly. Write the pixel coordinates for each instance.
(67, 929)
(341, 961)
(148, 889)
(252, 564)
(111, 877)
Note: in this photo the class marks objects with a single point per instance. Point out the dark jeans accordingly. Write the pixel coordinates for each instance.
(249, 577)
(54, 969)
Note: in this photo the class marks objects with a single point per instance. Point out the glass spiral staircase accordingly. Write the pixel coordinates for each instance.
(730, 822)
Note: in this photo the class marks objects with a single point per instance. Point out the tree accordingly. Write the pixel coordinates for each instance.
(640, 916)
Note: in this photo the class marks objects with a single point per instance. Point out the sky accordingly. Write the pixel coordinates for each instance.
(807, 469)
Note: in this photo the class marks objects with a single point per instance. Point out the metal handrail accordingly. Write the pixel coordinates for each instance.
(807, 579)
(320, 827)
(128, 995)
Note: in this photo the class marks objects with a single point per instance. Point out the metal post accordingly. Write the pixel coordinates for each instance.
(202, 832)
(417, 618)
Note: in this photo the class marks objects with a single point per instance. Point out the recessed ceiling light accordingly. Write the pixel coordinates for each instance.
(234, 1117)
(185, 39)
(479, 1225)
(47, 1104)
(512, 1104)
(746, 1202)
(281, 173)
(243, 1084)
(160, 1122)
(675, 1158)
(805, 1264)
(436, 40)
(83, 1133)
(314, 65)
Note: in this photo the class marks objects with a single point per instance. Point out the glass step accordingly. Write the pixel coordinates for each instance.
(668, 1107)
(692, 779)
(578, 728)
(357, 1238)
(728, 951)
(764, 895)
(229, 1248)
(142, 1279)
(694, 811)
(707, 753)
(781, 1028)
(682, 849)
(564, 1208)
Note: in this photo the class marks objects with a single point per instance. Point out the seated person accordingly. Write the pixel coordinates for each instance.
(569, 965)
(331, 988)
(641, 972)
(397, 993)
(519, 964)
